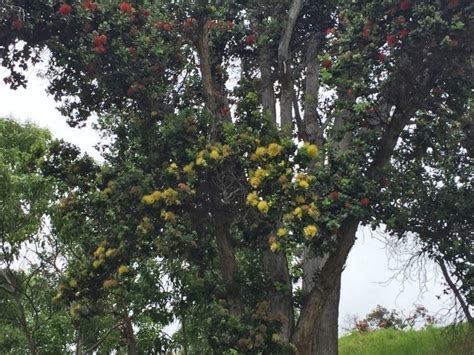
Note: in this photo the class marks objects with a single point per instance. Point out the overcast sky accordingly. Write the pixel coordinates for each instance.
(368, 267)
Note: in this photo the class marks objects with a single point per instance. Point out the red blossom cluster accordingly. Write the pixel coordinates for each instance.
(89, 5)
(126, 7)
(164, 26)
(65, 9)
(100, 44)
(251, 39)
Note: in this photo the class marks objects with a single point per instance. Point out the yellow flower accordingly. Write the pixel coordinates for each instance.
(298, 212)
(260, 152)
(281, 232)
(287, 217)
(110, 283)
(274, 149)
(173, 168)
(225, 150)
(214, 154)
(313, 211)
(157, 195)
(171, 196)
(304, 184)
(275, 246)
(300, 199)
(169, 216)
(148, 199)
(260, 173)
(96, 263)
(145, 226)
(188, 169)
(200, 161)
(111, 252)
(99, 251)
(310, 231)
(302, 180)
(262, 206)
(254, 181)
(311, 150)
(123, 269)
(252, 199)
(73, 283)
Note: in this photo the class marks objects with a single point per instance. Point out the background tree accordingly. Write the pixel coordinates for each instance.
(252, 229)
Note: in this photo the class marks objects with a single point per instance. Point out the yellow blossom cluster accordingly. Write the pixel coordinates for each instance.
(213, 152)
(173, 168)
(272, 150)
(310, 231)
(257, 176)
(170, 196)
(168, 216)
(145, 226)
(303, 180)
(311, 149)
(123, 269)
(255, 201)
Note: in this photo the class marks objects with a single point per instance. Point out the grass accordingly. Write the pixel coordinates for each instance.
(431, 341)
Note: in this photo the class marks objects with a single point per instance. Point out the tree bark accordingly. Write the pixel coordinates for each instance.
(131, 343)
(228, 267)
(286, 98)
(280, 290)
(310, 319)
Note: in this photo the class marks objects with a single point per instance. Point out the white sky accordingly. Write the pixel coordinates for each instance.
(367, 266)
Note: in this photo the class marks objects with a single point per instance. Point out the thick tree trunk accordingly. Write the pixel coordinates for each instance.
(228, 267)
(328, 280)
(280, 290)
(325, 341)
(325, 338)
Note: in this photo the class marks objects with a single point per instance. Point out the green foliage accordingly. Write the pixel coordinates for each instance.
(429, 341)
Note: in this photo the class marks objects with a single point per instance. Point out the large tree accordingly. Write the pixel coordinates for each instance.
(249, 141)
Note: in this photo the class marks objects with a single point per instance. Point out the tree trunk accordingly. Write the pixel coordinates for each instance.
(280, 290)
(325, 338)
(325, 341)
(131, 344)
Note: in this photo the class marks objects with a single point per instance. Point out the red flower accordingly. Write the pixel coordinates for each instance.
(251, 39)
(132, 51)
(334, 195)
(327, 63)
(100, 49)
(65, 9)
(89, 5)
(17, 24)
(381, 57)
(125, 7)
(189, 22)
(130, 91)
(230, 24)
(364, 202)
(146, 13)
(404, 33)
(405, 5)
(391, 40)
(100, 40)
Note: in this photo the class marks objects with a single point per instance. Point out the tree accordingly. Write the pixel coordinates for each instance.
(252, 227)
(436, 204)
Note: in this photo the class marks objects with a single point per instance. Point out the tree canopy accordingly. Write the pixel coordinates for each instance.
(249, 140)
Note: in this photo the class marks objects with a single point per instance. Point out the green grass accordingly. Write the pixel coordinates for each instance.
(430, 341)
